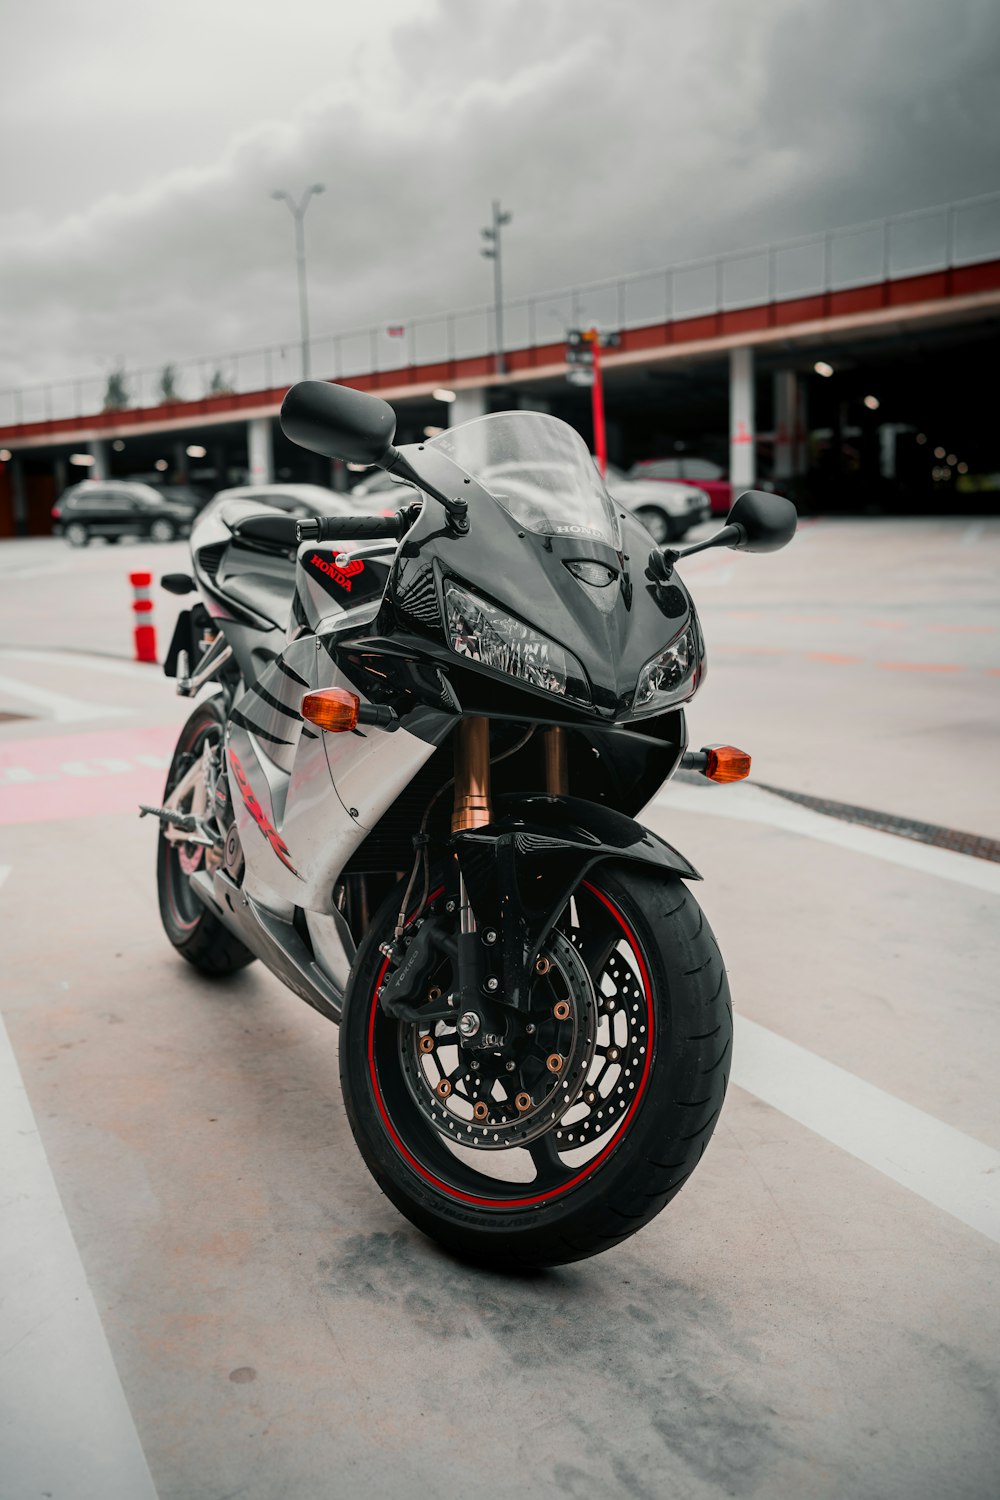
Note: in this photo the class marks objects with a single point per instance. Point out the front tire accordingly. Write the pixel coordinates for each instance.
(197, 935)
(626, 1141)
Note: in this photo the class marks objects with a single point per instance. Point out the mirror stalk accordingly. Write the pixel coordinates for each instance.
(396, 462)
(757, 522)
(662, 559)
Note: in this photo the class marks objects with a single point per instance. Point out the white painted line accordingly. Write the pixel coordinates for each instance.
(58, 706)
(65, 1426)
(938, 1163)
(83, 661)
(751, 804)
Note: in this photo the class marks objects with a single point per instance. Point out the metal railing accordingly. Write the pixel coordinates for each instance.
(908, 244)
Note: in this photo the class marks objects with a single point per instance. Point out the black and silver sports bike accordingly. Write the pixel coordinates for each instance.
(411, 794)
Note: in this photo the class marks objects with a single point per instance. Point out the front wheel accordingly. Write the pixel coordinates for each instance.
(592, 1115)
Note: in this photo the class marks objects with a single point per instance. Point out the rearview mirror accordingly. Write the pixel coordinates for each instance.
(339, 422)
(767, 521)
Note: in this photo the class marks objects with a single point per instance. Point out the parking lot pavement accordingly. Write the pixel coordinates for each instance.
(814, 1316)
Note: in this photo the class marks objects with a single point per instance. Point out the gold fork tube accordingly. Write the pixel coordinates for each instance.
(472, 775)
(556, 771)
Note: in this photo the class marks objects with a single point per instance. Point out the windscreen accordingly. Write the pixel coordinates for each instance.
(539, 470)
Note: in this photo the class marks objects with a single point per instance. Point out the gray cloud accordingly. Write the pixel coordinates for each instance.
(622, 137)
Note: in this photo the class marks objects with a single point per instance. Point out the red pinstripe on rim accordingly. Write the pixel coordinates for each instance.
(591, 1166)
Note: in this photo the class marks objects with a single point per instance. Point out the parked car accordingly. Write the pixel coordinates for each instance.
(708, 476)
(666, 509)
(113, 508)
(380, 494)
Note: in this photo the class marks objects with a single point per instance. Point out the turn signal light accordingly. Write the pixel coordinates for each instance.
(333, 709)
(726, 763)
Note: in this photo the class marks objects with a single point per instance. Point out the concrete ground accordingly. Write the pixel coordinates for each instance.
(204, 1294)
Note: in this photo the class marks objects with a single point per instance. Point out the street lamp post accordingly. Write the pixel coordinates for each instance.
(298, 212)
(491, 250)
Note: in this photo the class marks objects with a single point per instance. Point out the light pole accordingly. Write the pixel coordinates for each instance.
(298, 212)
(491, 250)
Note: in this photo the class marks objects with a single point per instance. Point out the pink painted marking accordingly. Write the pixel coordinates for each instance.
(83, 775)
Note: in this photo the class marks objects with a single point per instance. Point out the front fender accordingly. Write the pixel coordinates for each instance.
(521, 869)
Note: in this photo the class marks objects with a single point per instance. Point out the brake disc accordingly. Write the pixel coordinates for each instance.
(495, 1100)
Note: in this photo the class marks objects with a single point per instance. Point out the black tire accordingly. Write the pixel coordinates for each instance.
(162, 531)
(662, 527)
(77, 534)
(193, 930)
(679, 1084)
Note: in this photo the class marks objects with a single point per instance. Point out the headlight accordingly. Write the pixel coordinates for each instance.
(666, 677)
(481, 632)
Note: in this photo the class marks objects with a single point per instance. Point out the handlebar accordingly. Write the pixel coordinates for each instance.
(353, 528)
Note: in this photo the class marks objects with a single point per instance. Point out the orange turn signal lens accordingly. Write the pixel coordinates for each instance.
(726, 763)
(333, 709)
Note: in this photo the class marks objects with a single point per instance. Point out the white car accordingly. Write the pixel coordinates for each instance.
(379, 493)
(298, 500)
(666, 508)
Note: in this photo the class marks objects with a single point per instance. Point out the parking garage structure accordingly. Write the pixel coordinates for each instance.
(852, 370)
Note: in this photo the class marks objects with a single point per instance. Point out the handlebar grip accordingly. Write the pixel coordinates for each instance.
(351, 528)
(271, 527)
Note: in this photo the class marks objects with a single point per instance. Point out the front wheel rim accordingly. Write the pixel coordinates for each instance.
(620, 1074)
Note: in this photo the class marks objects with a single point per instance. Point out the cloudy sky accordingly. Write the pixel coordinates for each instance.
(142, 140)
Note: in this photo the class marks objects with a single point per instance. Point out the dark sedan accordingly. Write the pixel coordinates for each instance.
(113, 508)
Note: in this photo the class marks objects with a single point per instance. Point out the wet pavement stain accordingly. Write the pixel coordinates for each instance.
(674, 1361)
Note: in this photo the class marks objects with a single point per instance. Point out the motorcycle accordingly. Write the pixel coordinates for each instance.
(412, 795)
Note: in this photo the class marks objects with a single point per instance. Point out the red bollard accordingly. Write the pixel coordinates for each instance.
(142, 604)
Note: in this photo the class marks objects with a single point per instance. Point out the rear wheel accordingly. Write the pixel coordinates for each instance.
(77, 534)
(162, 531)
(196, 934)
(595, 1112)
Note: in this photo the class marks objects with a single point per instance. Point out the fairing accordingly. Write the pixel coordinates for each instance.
(527, 575)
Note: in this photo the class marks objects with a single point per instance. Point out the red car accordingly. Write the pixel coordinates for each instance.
(698, 471)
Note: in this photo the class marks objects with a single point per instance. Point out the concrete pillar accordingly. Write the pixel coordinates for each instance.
(20, 495)
(801, 451)
(98, 449)
(220, 462)
(338, 476)
(466, 405)
(180, 461)
(260, 450)
(742, 451)
(786, 421)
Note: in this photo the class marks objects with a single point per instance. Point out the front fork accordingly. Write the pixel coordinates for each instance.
(473, 808)
(483, 1021)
